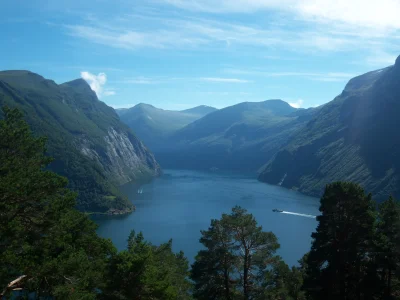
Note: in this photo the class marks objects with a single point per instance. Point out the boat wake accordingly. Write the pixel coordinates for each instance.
(296, 214)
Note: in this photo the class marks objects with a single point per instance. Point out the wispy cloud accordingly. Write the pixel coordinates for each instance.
(297, 104)
(381, 58)
(165, 80)
(97, 83)
(317, 76)
(226, 80)
(117, 106)
(207, 34)
(141, 80)
(371, 13)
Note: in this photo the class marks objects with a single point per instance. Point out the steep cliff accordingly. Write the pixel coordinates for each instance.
(352, 138)
(91, 146)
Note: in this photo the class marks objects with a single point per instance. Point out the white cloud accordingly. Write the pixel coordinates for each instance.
(109, 93)
(381, 58)
(141, 80)
(371, 13)
(317, 76)
(206, 34)
(297, 104)
(305, 26)
(116, 106)
(97, 83)
(227, 80)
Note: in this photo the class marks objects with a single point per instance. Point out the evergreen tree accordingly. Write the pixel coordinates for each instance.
(213, 269)
(338, 260)
(387, 250)
(144, 271)
(236, 260)
(43, 239)
(283, 283)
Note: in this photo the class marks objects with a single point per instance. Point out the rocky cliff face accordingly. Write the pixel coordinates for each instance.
(128, 158)
(91, 146)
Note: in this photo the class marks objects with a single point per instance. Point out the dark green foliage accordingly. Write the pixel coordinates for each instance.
(144, 271)
(340, 254)
(41, 234)
(213, 271)
(281, 282)
(236, 260)
(355, 252)
(80, 131)
(387, 251)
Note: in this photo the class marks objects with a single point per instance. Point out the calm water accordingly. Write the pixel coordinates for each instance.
(181, 203)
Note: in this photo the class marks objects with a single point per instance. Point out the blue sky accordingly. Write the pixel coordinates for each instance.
(176, 54)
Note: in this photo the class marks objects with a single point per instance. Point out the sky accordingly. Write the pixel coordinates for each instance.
(177, 54)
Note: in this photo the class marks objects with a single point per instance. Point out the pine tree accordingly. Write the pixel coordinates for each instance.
(236, 260)
(43, 239)
(387, 253)
(213, 269)
(337, 262)
(145, 271)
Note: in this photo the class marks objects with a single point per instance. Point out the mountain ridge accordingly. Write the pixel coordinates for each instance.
(352, 138)
(91, 147)
(154, 125)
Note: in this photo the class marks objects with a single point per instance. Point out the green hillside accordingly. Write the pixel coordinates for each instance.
(153, 125)
(91, 146)
(240, 137)
(352, 138)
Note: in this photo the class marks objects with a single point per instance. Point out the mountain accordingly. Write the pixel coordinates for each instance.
(352, 138)
(240, 137)
(201, 110)
(153, 125)
(91, 146)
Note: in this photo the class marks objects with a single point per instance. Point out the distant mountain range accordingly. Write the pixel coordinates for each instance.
(240, 137)
(154, 125)
(353, 138)
(91, 146)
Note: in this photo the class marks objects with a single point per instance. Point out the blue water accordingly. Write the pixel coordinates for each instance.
(181, 203)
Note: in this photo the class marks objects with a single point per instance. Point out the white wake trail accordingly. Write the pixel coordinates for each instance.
(296, 214)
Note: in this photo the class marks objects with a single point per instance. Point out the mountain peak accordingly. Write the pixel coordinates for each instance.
(79, 85)
(397, 63)
(201, 110)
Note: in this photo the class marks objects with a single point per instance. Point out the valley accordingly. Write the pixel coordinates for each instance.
(352, 138)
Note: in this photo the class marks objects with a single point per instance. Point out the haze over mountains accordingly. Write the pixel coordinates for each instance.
(154, 125)
(91, 146)
(354, 138)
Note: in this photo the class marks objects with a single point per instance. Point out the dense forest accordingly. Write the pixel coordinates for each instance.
(49, 249)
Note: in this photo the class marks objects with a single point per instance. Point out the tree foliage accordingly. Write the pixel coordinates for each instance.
(145, 271)
(48, 248)
(42, 236)
(236, 260)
